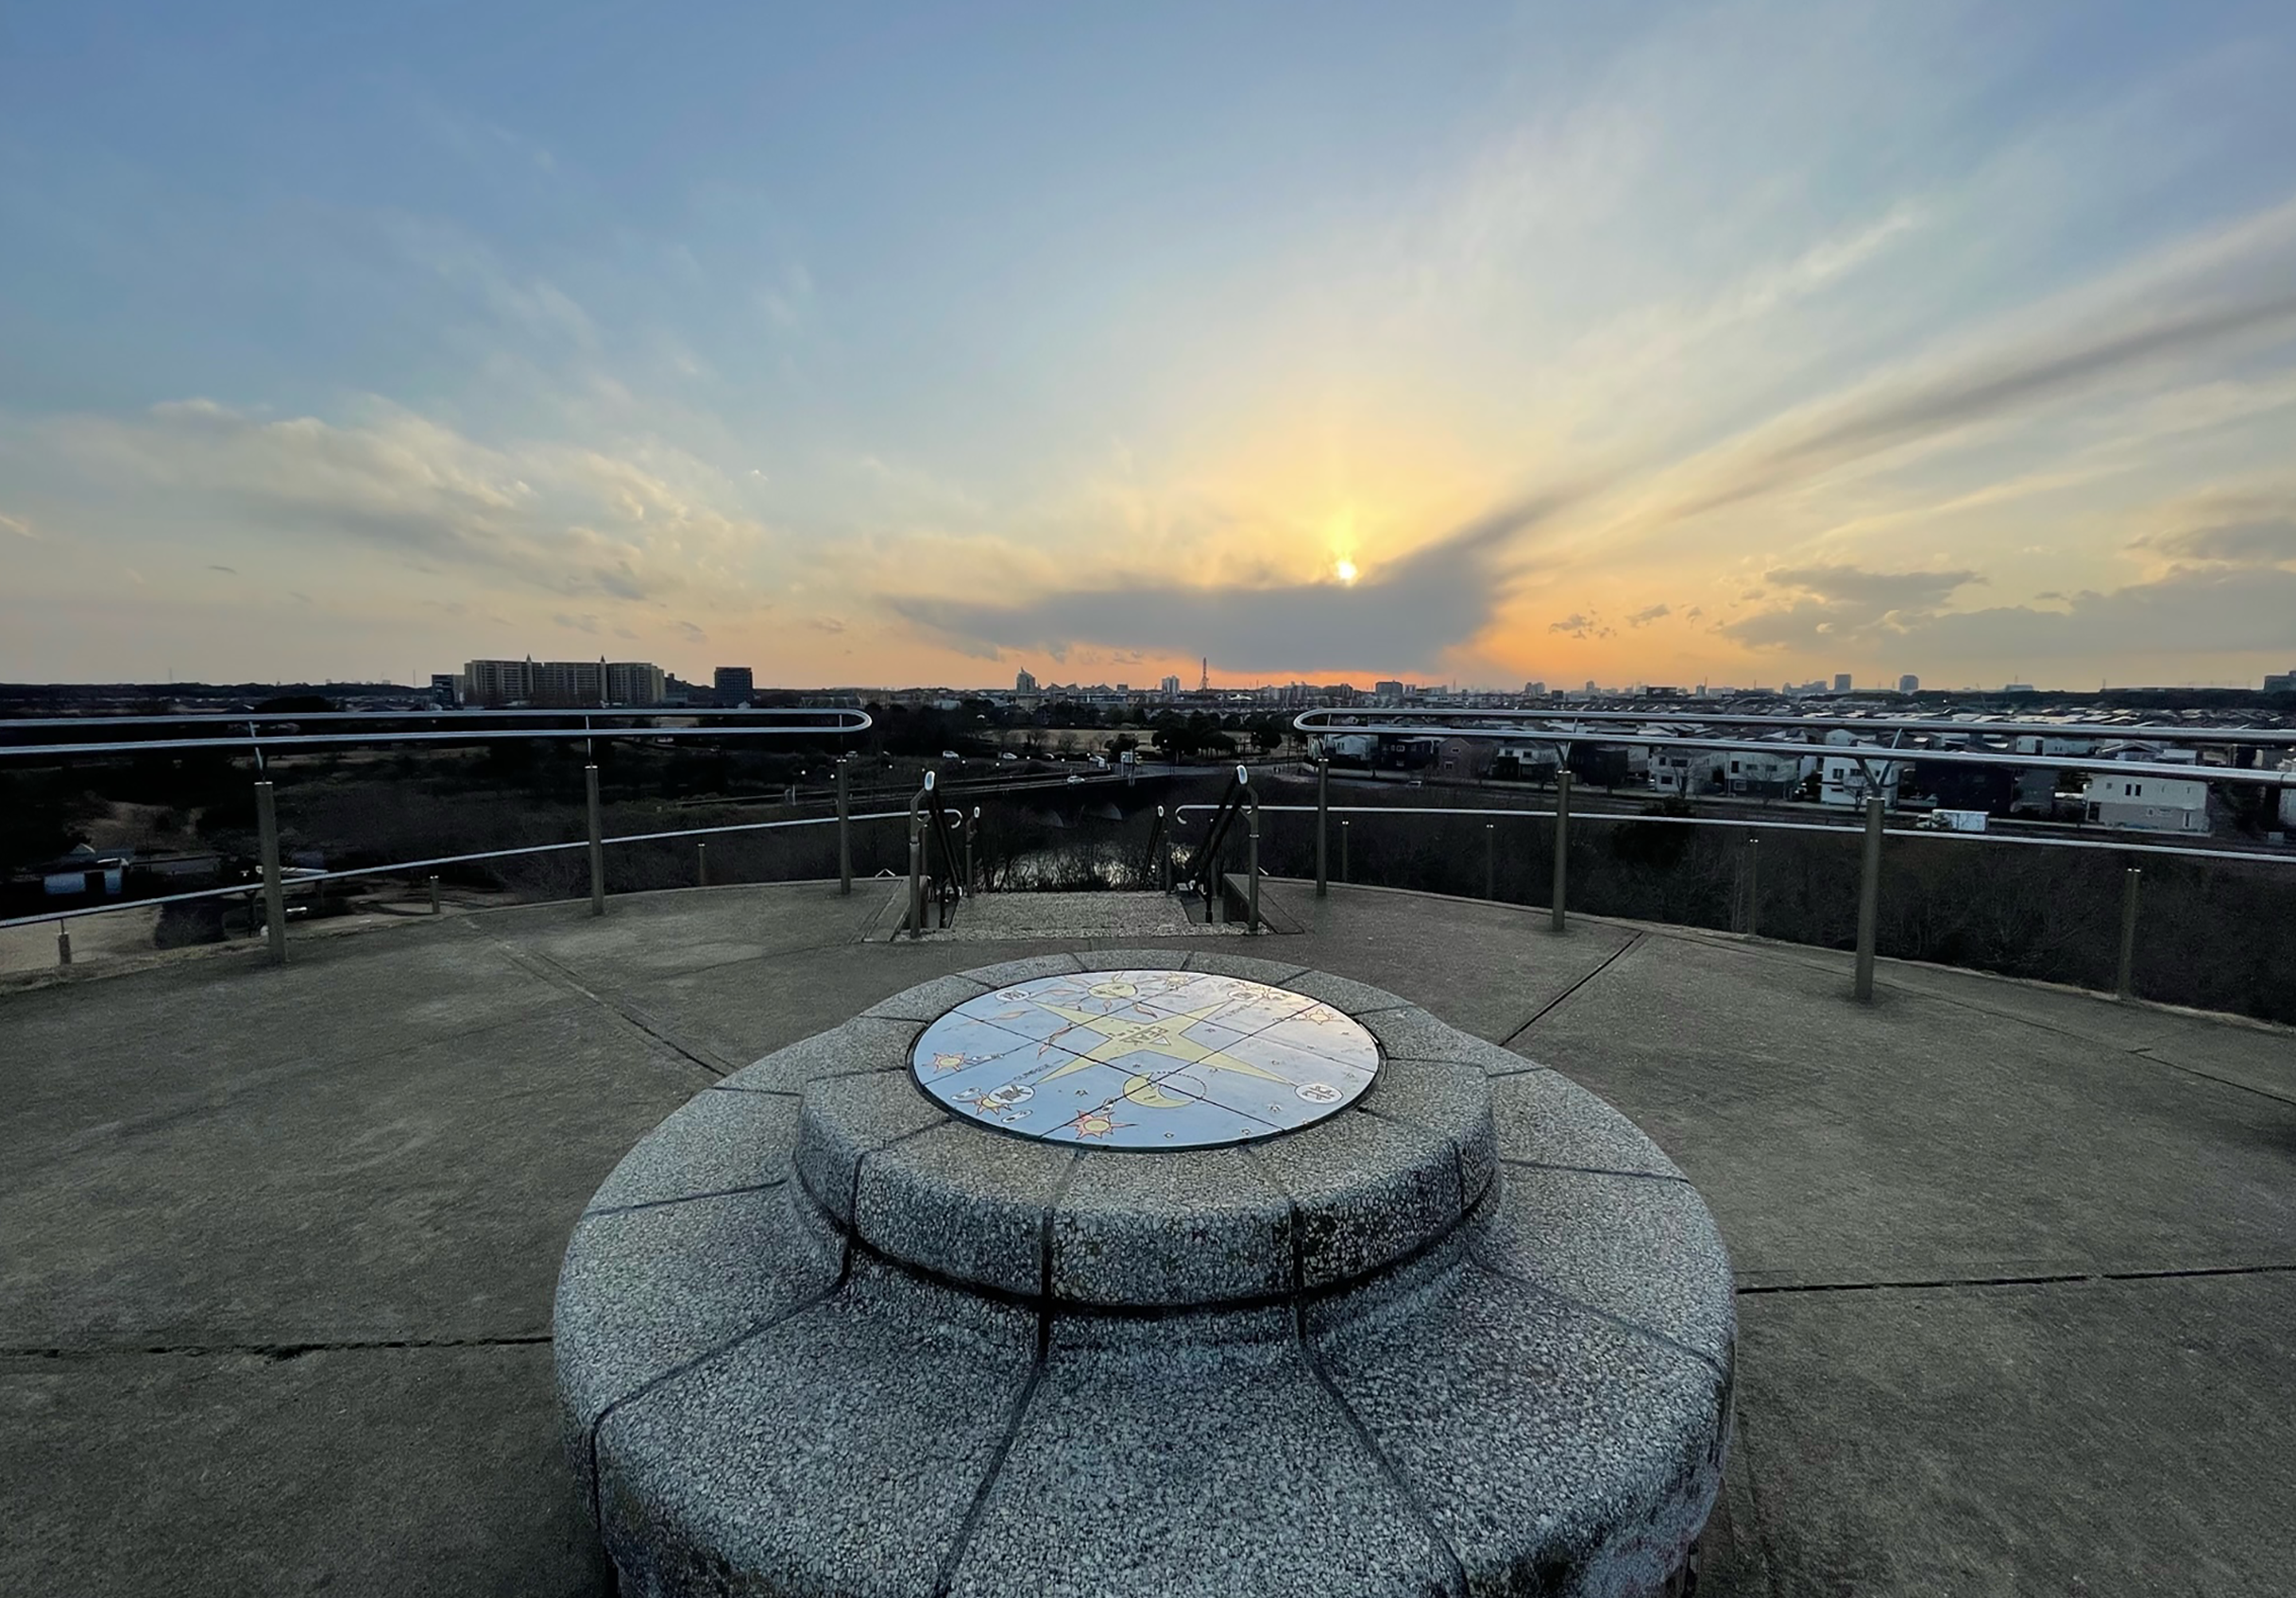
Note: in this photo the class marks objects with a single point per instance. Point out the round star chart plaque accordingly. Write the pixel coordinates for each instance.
(1145, 1060)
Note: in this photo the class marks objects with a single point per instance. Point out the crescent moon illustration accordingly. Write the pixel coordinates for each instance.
(1140, 1090)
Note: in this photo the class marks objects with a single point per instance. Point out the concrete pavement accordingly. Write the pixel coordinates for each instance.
(2016, 1267)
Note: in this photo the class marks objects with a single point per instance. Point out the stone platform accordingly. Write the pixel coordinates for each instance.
(1470, 1331)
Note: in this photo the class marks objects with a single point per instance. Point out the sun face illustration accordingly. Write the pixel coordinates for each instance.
(1095, 1123)
(948, 1062)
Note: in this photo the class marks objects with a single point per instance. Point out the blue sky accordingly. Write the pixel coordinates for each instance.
(1734, 343)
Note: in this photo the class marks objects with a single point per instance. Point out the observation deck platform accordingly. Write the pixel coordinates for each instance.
(2016, 1266)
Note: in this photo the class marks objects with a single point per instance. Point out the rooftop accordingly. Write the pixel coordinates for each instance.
(2016, 1267)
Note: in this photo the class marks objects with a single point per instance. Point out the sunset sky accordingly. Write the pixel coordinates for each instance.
(873, 344)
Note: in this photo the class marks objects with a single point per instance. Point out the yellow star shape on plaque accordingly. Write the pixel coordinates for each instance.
(1165, 1035)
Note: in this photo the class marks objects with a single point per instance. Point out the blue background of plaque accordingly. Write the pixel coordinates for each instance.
(1145, 1060)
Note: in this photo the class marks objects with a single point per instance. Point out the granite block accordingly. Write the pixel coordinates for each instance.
(837, 1451)
(846, 1119)
(1218, 963)
(1366, 1192)
(643, 1291)
(1555, 1451)
(1345, 994)
(1203, 1226)
(1544, 1118)
(1646, 1251)
(964, 1202)
(1151, 1460)
(927, 1000)
(1022, 970)
(863, 1044)
(1448, 1099)
(713, 1143)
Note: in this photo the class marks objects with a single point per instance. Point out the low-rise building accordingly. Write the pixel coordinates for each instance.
(1845, 780)
(2147, 804)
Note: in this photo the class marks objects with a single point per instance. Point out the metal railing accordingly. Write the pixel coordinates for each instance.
(1560, 730)
(1871, 832)
(87, 737)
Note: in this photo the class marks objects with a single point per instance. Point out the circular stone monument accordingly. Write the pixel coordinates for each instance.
(1178, 1274)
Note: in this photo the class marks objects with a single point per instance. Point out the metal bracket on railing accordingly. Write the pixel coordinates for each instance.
(1232, 807)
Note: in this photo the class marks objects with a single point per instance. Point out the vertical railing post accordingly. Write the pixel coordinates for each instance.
(597, 841)
(845, 825)
(2124, 983)
(1324, 825)
(433, 886)
(1753, 885)
(63, 943)
(916, 876)
(1252, 836)
(701, 865)
(1344, 874)
(1491, 860)
(1562, 851)
(274, 892)
(1869, 897)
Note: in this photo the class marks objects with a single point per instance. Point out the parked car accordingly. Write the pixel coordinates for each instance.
(950, 755)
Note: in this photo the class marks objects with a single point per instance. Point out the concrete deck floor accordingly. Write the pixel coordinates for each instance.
(2018, 1266)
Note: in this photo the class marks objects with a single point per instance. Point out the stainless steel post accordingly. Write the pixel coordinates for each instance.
(1869, 897)
(1491, 860)
(1562, 850)
(701, 865)
(2124, 985)
(916, 876)
(972, 826)
(598, 843)
(63, 943)
(845, 825)
(1252, 818)
(274, 892)
(1323, 824)
(434, 885)
(1753, 885)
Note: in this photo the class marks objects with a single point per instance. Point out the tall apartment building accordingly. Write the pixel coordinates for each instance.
(561, 684)
(1841, 682)
(734, 685)
(1169, 688)
(1909, 683)
(1022, 683)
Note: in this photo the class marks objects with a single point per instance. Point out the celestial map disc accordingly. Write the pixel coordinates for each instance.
(1145, 1060)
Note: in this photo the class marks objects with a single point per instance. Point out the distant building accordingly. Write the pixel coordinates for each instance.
(1534, 690)
(2147, 804)
(2017, 688)
(1841, 780)
(561, 684)
(2280, 682)
(447, 687)
(1841, 682)
(1022, 683)
(1386, 688)
(733, 685)
(1909, 683)
(1758, 775)
(1685, 772)
(1169, 688)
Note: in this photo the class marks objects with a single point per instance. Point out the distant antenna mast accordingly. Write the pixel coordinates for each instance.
(1203, 681)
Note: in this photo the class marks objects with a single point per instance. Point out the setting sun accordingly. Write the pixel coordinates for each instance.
(1344, 570)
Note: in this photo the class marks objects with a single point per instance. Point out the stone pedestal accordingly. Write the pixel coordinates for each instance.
(838, 1327)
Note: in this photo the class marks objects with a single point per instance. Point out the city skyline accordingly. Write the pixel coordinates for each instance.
(1741, 344)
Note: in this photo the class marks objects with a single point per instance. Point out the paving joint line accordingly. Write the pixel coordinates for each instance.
(560, 975)
(2051, 1279)
(1615, 955)
(276, 1352)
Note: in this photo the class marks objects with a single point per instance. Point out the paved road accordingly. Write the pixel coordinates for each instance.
(2018, 1268)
